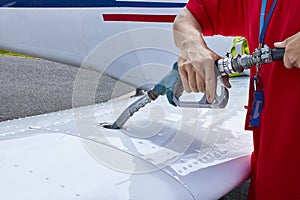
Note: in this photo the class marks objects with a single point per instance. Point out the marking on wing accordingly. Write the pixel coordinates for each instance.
(139, 18)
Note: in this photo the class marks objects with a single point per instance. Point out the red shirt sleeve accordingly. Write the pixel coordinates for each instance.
(219, 17)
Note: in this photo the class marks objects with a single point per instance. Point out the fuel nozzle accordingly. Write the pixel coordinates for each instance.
(171, 84)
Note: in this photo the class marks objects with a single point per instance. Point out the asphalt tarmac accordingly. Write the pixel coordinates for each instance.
(34, 86)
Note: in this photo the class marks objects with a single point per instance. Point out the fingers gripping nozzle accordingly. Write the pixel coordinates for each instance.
(172, 87)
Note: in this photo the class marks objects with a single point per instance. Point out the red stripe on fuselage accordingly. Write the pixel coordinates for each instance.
(139, 18)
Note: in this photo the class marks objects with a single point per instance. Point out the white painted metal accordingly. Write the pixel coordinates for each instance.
(72, 35)
(163, 152)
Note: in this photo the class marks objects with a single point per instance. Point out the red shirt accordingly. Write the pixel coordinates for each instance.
(276, 157)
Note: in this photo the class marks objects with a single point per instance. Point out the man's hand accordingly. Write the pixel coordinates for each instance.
(196, 68)
(292, 51)
(196, 63)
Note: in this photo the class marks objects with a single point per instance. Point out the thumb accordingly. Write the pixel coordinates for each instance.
(280, 44)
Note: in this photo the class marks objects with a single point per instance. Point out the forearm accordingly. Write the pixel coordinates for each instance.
(187, 31)
(196, 60)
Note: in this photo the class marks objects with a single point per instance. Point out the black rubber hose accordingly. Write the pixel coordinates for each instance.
(277, 54)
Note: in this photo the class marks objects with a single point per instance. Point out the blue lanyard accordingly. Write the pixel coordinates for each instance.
(264, 23)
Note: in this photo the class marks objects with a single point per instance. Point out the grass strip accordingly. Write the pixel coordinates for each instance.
(10, 53)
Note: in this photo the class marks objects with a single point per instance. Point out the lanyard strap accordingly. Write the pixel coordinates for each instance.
(264, 23)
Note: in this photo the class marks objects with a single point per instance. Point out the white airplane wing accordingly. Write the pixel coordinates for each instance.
(162, 152)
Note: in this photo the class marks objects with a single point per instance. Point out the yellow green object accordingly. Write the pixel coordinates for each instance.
(239, 46)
